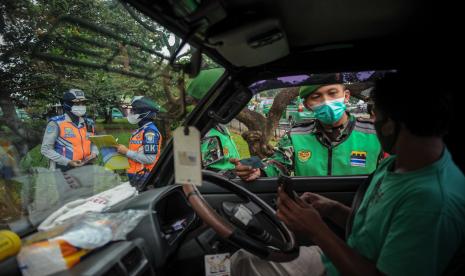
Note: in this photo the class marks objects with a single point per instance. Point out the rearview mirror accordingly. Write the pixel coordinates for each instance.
(212, 151)
(193, 67)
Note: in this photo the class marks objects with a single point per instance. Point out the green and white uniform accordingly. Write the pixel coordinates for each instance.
(228, 147)
(308, 150)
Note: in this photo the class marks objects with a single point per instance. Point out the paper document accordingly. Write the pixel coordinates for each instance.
(111, 158)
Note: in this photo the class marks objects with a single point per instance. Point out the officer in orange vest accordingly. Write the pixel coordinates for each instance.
(66, 140)
(145, 143)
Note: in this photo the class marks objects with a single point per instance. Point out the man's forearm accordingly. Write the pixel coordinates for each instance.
(141, 157)
(345, 259)
(339, 214)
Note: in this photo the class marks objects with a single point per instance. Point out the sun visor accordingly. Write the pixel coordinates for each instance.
(252, 44)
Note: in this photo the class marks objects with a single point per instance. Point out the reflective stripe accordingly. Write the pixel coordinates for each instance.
(64, 147)
(64, 143)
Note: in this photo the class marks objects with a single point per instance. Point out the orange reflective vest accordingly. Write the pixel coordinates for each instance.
(146, 139)
(73, 141)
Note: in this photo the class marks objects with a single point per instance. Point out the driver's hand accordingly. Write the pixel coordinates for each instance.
(298, 215)
(75, 163)
(246, 173)
(322, 204)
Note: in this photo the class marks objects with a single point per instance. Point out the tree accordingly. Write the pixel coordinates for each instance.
(30, 31)
(261, 128)
(19, 76)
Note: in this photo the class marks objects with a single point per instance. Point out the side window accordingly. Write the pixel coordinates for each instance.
(311, 129)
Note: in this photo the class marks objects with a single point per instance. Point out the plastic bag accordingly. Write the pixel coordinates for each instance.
(93, 230)
(97, 203)
(48, 257)
(64, 245)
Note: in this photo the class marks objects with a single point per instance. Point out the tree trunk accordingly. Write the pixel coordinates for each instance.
(26, 138)
(108, 116)
(260, 128)
(257, 144)
(280, 103)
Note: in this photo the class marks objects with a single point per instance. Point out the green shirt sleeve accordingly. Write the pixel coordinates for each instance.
(282, 161)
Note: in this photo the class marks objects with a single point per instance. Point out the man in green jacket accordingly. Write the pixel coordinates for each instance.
(335, 143)
(197, 90)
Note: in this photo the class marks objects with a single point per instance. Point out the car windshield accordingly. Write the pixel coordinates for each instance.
(90, 93)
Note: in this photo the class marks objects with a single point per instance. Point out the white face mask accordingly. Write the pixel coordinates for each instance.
(78, 110)
(133, 118)
(136, 118)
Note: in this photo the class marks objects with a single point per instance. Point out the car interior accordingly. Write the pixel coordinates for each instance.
(255, 40)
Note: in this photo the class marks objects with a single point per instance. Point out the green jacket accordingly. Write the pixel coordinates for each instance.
(227, 145)
(304, 151)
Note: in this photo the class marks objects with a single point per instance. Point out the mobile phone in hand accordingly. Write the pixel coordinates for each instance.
(255, 162)
(287, 186)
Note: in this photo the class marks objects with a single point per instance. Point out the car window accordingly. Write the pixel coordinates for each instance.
(321, 133)
(89, 98)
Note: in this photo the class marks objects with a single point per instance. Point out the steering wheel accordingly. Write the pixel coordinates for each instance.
(241, 224)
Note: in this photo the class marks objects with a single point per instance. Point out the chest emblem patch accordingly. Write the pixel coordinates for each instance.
(69, 133)
(304, 155)
(358, 158)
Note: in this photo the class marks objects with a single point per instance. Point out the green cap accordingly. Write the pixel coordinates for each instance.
(305, 91)
(203, 82)
(322, 80)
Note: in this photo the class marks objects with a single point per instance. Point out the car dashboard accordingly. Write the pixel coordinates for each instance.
(148, 247)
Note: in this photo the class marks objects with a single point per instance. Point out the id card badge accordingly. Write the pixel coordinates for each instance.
(187, 158)
(218, 265)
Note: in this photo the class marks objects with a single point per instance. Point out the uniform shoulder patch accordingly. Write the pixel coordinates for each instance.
(51, 128)
(150, 142)
(150, 137)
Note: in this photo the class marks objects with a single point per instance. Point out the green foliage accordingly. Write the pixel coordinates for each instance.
(37, 84)
(33, 159)
(241, 145)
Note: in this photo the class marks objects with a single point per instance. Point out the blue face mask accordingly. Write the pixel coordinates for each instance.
(330, 112)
